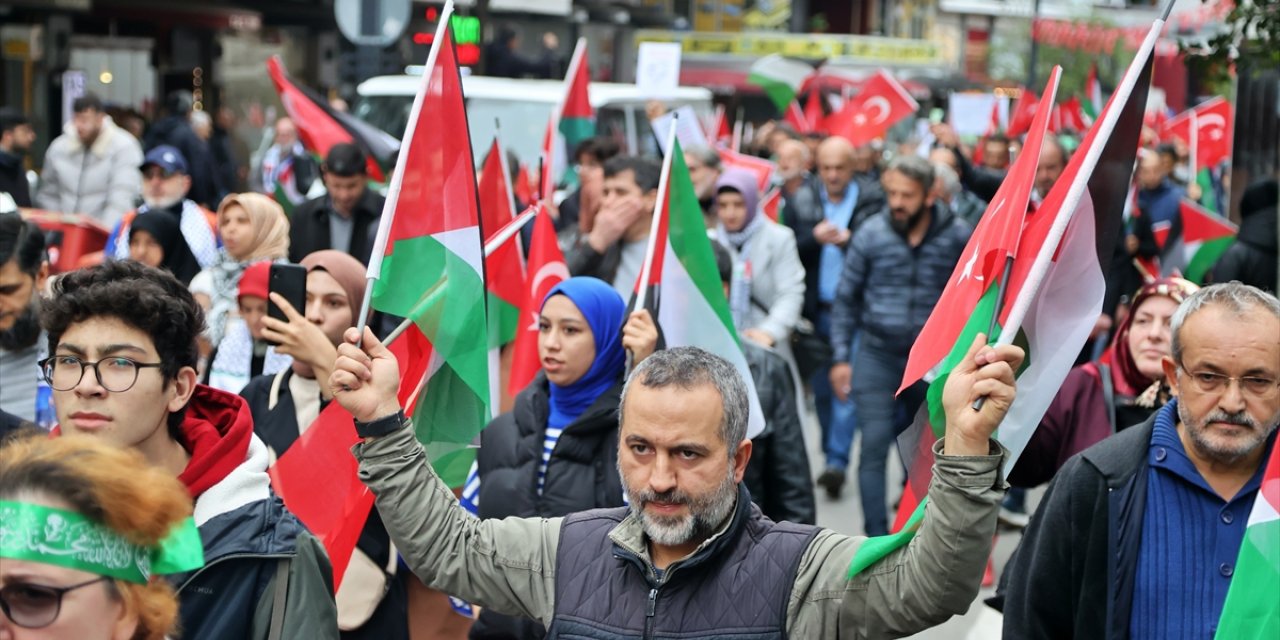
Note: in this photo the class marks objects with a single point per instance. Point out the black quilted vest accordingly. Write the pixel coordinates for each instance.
(737, 587)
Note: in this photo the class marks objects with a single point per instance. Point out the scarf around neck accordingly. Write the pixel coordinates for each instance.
(604, 311)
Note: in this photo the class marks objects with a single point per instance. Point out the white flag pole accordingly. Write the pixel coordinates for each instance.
(397, 177)
(1106, 125)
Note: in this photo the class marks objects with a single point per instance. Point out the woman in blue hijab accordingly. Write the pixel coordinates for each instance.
(556, 451)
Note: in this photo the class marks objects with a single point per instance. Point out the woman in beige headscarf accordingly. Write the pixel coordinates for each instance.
(253, 228)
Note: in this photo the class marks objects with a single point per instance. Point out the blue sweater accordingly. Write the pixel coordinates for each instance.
(1190, 540)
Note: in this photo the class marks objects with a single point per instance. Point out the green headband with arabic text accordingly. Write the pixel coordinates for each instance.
(68, 539)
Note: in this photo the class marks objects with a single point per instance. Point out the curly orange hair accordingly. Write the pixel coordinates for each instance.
(114, 487)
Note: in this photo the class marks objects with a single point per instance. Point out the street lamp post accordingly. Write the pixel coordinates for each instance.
(1031, 61)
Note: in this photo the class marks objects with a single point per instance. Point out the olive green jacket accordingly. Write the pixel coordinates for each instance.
(509, 565)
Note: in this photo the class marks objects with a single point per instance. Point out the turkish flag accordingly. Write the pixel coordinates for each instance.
(1024, 110)
(1213, 122)
(546, 269)
(868, 115)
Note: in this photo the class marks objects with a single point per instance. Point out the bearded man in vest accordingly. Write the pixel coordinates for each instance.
(690, 556)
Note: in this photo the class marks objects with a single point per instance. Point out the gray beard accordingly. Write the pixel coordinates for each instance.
(1207, 447)
(705, 514)
(25, 331)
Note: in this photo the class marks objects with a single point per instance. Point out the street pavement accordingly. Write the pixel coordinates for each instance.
(845, 515)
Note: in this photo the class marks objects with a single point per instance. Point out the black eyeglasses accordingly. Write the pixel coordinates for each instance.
(116, 374)
(34, 606)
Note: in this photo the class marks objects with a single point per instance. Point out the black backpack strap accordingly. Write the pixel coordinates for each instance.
(281, 596)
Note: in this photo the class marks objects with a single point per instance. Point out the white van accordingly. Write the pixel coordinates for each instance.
(523, 108)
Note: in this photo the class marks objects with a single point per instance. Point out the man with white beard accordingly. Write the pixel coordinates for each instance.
(165, 184)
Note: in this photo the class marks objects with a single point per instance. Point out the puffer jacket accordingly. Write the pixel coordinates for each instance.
(888, 288)
(582, 474)
(101, 181)
(257, 554)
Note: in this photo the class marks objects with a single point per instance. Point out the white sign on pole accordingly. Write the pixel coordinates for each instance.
(970, 113)
(658, 68)
(688, 128)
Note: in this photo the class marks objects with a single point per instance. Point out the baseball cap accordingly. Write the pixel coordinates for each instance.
(167, 158)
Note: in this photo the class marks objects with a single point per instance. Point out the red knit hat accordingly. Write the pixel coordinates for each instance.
(255, 281)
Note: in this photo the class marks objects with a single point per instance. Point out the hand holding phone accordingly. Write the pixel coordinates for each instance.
(290, 281)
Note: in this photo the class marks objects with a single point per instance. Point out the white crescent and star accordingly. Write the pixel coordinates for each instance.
(882, 105)
(546, 271)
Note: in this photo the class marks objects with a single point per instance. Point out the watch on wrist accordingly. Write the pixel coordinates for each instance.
(381, 426)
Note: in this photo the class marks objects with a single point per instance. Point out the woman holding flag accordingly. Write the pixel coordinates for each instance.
(86, 533)
(555, 452)
(1120, 389)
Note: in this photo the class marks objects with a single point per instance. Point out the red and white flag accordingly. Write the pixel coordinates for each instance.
(546, 269)
(1212, 123)
(1024, 110)
(867, 116)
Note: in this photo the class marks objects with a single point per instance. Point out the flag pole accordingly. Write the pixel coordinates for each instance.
(646, 270)
(1105, 126)
(735, 143)
(379, 251)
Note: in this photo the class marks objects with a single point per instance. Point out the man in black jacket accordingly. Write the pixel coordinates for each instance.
(1142, 531)
(824, 212)
(16, 138)
(896, 268)
(1252, 259)
(345, 218)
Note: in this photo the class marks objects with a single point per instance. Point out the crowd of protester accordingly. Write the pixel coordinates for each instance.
(165, 352)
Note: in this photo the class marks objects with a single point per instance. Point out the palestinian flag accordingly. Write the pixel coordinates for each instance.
(321, 126)
(505, 266)
(316, 477)
(1092, 103)
(427, 262)
(964, 309)
(1205, 237)
(546, 270)
(679, 279)
(1071, 113)
(1056, 285)
(780, 78)
(1252, 608)
(577, 118)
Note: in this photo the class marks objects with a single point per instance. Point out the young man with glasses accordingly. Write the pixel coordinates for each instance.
(1146, 525)
(122, 344)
